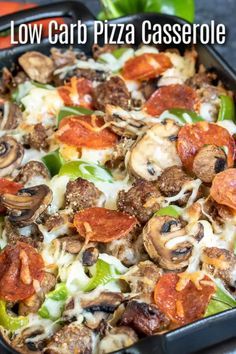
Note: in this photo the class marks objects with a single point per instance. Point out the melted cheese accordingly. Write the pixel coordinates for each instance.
(58, 187)
(195, 278)
(192, 185)
(74, 276)
(49, 236)
(206, 111)
(146, 49)
(183, 68)
(229, 125)
(32, 155)
(209, 240)
(114, 262)
(36, 322)
(111, 191)
(41, 106)
(82, 64)
(116, 64)
(96, 156)
(53, 254)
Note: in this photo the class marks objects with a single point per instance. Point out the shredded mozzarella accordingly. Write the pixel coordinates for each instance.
(192, 185)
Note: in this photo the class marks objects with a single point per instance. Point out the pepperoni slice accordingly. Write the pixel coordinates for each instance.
(192, 137)
(171, 96)
(20, 267)
(86, 131)
(223, 189)
(186, 305)
(7, 186)
(103, 225)
(146, 66)
(78, 92)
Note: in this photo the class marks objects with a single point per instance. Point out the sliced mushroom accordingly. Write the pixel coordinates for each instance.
(128, 124)
(90, 256)
(209, 161)
(106, 302)
(25, 207)
(166, 242)
(71, 244)
(25, 342)
(154, 151)
(13, 234)
(11, 155)
(11, 116)
(37, 66)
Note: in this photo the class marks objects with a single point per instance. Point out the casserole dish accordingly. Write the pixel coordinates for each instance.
(211, 330)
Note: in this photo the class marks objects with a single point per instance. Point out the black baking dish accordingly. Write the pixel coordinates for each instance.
(200, 334)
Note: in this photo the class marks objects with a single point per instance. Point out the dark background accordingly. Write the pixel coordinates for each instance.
(222, 11)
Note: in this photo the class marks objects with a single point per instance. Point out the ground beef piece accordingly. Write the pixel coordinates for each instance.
(148, 88)
(81, 194)
(73, 338)
(172, 180)
(218, 212)
(6, 81)
(140, 200)
(145, 319)
(33, 303)
(201, 78)
(54, 221)
(209, 161)
(62, 58)
(92, 75)
(97, 50)
(114, 92)
(71, 244)
(142, 279)
(31, 170)
(221, 263)
(13, 234)
(117, 159)
(37, 139)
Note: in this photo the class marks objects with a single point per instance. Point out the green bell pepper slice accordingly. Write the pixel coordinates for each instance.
(220, 301)
(171, 210)
(53, 162)
(104, 274)
(227, 109)
(117, 53)
(67, 111)
(9, 322)
(216, 306)
(59, 296)
(86, 170)
(118, 8)
(185, 116)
